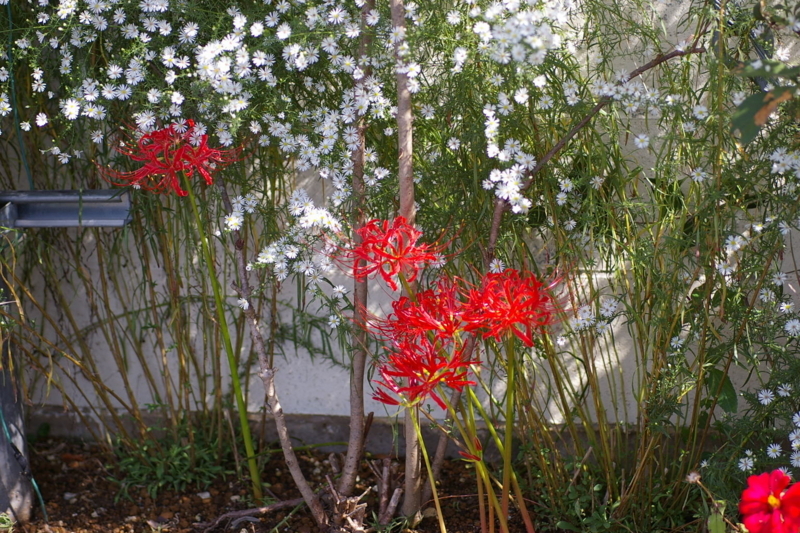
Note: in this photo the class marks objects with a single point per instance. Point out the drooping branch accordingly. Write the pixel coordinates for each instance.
(501, 206)
(267, 375)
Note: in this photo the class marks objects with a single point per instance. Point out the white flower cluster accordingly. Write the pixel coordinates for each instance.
(507, 184)
(635, 98)
(310, 218)
(240, 205)
(730, 257)
(785, 162)
(287, 255)
(776, 450)
(601, 322)
(522, 32)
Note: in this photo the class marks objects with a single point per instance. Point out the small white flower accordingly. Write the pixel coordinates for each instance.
(641, 141)
(774, 451)
(496, 266)
(796, 419)
(234, 221)
(698, 175)
(792, 327)
(784, 390)
(339, 291)
(700, 112)
(766, 396)
(795, 459)
(746, 464)
(779, 278)
(243, 303)
(334, 321)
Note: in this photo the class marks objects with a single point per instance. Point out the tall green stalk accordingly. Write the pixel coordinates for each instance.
(226, 338)
(511, 365)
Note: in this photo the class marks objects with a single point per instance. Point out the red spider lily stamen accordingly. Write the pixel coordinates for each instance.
(168, 153)
(390, 249)
(424, 365)
(435, 310)
(767, 506)
(509, 302)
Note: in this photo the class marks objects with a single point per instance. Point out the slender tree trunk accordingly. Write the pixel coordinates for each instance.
(355, 446)
(405, 176)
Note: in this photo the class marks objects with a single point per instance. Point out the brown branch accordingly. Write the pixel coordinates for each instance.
(501, 206)
(232, 515)
(267, 375)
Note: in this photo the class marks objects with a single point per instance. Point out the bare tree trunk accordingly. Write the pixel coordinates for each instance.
(405, 176)
(355, 445)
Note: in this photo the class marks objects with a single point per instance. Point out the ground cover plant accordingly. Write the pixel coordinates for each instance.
(579, 214)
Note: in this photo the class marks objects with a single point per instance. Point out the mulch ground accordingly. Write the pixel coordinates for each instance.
(76, 481)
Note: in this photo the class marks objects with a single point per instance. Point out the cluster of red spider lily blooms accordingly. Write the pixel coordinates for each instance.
(167, 154)
(425, 329)
(767, 506)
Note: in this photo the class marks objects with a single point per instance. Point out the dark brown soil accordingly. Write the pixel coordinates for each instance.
(76, 484)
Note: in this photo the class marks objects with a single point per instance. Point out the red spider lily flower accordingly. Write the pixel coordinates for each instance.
(508, 302)
(167, 153)
(435, 310)
(424, 365)
(391, 249)
(767, 507)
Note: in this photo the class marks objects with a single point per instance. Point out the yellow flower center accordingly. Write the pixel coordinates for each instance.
(773, 501)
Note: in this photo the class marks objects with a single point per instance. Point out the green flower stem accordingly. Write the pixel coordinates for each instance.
(241, 406)
(469, 432)
(511, 365)
(415, 418)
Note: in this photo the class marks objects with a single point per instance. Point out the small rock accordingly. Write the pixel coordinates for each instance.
(430, 512)
(70, 497)
(204, 495)
(235, 498)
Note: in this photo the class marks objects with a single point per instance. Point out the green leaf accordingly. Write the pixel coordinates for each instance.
(727, 399)
(567, 526)
(716, 520)
(754, 112)
(716, 524)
